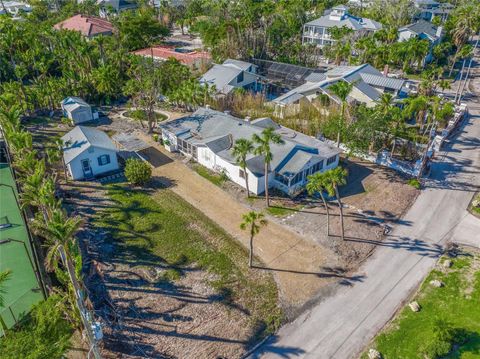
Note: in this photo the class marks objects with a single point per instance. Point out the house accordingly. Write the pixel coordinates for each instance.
(208, 137)
(88, 152)
(368, 86)
(76, 110)
(318, 31)
(114, 7)
(88, 26)
(14, 8)
(230, 75)
(192, 59)
(422, 30)
(429, 9)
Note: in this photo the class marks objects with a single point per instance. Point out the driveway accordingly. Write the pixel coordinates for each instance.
(343, 324)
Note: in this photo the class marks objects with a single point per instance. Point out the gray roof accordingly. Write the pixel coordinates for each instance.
(81, 138)
(382, 81)
(238, 63)
(351, 22)
(219, 131)
(422, 27)
(222, 75)
(363, 77)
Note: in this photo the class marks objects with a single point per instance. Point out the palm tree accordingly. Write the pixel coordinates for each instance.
(252, 221)
(240, 151)
(267, 137)
(59, 233)
(337, 177)
(318, 182)
(341, 89)
(4, 276)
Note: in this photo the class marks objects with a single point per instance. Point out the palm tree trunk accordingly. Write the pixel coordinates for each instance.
(250, 258)
(266, 185)
(246, 182)
(328, 212)
(454, 60)
(341, 213)
(3, 325)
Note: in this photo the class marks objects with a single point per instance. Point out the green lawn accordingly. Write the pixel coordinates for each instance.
(216, 178)
(160, 228)
(279, 211)
(456, 303)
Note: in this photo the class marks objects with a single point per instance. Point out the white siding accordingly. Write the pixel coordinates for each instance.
(81, 114)
(75, 166)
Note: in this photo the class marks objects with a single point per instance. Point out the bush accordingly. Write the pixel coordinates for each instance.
(414, 183)
(137, 171)
(44, 333)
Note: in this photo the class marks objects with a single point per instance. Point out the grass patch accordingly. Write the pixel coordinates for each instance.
(456, 306)
(163, 229)
(216, 178)
(415, 183)
(278, 211)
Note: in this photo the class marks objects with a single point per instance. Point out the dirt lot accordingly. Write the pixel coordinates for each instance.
(373, 198)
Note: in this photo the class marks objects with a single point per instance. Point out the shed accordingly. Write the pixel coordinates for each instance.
(88, 153)
(77, 110)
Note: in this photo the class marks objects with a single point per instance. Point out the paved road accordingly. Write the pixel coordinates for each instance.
(343, 324)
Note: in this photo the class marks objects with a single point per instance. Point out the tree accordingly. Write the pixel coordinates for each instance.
(59, 232)
(337, 177)
(252, 221)
(139, 29)
(318, 182)
(4, 276)
(242, 148)
(264, 141)
(144, 87)
(138, 172)
(341, 89)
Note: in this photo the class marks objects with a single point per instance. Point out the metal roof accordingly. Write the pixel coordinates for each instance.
(81, 138)
(383, 81)
(422, 27)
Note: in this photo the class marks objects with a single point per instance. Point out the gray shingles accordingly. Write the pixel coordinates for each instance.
(80, 138)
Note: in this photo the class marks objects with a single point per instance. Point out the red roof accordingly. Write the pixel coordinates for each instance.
(164, 53)
(88, 25)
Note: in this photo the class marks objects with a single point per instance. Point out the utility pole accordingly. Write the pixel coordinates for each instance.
(81, 306)
(468, 71)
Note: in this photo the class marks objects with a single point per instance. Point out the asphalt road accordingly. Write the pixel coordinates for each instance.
(342, 325)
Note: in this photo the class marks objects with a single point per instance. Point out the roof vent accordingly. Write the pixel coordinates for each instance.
(227, 112)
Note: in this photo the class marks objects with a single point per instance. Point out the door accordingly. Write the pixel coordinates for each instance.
(87, 170)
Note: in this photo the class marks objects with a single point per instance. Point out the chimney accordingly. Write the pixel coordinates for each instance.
(439, 31)
(385, 71)
(227, 112)
(248, 118)
(207, 107)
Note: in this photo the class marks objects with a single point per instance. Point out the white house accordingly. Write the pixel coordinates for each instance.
(368, 85)
(318, 31)
(230, 75)
(88, 152)
(422, 30)
(15, 8)
(430, 9)
(208, 136)
(77, 110)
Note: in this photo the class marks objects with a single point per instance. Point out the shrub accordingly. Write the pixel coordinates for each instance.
(155, 137)
(414, 183)
(137, 171)
(44, 333)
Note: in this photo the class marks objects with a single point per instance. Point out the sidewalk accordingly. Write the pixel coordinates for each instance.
(300, 267)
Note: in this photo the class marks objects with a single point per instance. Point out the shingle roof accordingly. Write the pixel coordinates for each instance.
(238, 63)
(220, 76)
(219, 131)
(81, 138)
(422, 27)
(87, 25)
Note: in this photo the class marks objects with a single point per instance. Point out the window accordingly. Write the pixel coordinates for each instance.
(240, 77)
(298, 177)
(241, 173)
(331, 160)
(103, 160)
(317, 167)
